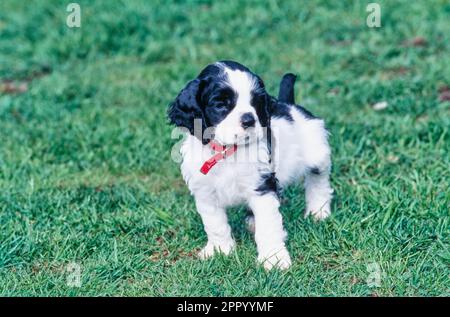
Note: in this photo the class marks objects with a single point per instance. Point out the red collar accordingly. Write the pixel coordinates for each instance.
(224, 152)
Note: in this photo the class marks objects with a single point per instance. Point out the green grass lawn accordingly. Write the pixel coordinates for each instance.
(85, 168)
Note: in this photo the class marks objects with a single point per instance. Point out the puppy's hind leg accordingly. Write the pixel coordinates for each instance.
(217, 229)
(250, 223)
(318, 193)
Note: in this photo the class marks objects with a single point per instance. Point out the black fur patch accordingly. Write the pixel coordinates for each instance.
(305, 112)
(281, 110)
(210, 71)
(269, 184)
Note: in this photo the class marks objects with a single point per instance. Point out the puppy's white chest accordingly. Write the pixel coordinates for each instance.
(231, 180)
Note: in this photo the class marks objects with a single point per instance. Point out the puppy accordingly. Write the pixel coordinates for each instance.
(241, 146)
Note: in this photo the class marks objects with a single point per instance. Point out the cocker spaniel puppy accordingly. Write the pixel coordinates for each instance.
(241, 146)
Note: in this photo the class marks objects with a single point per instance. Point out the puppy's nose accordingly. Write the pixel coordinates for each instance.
(248, 120)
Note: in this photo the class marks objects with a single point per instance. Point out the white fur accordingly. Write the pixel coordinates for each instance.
(297, 146)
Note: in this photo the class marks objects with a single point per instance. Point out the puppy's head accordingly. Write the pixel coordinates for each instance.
(228, 102)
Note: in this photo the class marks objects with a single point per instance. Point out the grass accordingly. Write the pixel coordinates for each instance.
(85, 168)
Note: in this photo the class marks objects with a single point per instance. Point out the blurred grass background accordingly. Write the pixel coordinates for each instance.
(85, 168)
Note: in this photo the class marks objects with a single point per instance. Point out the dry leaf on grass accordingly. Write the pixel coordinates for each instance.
(9, 87)
(417, 41)
(444, 93)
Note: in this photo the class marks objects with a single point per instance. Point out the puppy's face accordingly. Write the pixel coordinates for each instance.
(230, 101)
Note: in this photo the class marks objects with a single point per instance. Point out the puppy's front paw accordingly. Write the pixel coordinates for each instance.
(319, 213)
(276, 259)
(211, 248)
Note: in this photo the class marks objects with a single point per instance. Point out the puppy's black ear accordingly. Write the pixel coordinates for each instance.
(186, 107)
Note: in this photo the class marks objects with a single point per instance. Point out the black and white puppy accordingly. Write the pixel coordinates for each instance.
(241, 146)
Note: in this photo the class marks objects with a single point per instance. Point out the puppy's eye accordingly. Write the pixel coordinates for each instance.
(223, 104)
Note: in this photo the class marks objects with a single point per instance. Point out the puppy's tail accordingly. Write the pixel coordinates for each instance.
(286, 93)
